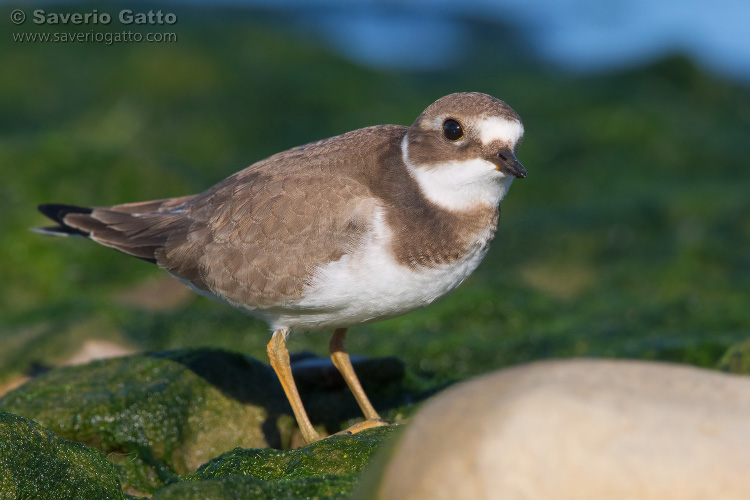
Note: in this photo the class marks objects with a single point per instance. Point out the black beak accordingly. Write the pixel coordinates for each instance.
(507, 163)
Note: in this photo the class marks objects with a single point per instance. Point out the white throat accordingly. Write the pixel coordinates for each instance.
(459, 185)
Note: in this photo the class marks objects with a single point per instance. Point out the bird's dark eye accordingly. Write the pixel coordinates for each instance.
(452, 130)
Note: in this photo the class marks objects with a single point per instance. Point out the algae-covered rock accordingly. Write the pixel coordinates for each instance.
(36, 463)
(161, 415)
(327, 469)
(338, 454)
(238, 487)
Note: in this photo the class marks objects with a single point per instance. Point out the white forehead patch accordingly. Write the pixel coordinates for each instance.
(495, 128)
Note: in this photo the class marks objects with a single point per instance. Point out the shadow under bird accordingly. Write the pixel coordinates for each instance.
(357, 228)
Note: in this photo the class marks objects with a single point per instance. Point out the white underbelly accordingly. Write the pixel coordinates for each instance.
(369, 285)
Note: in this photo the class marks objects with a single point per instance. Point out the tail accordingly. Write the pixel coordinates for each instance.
(57, 213)
(137, 229)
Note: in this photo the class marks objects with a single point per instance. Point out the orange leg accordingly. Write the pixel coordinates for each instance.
(341, 361)
(279, 356)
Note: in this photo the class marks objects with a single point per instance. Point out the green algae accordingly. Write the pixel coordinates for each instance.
(736, 359)
(37, 463)
(232, 487)
(329, 468)
(158, 416)
(336, 455)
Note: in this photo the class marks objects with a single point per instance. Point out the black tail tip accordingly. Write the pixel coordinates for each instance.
(57, 211)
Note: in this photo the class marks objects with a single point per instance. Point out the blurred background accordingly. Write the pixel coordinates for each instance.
(629, 238)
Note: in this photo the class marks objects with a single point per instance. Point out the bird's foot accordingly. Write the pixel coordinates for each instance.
(370, 423)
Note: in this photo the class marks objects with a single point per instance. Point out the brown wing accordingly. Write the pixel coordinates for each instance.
(255, 238)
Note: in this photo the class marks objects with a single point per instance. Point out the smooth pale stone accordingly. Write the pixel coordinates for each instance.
(579, 430)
